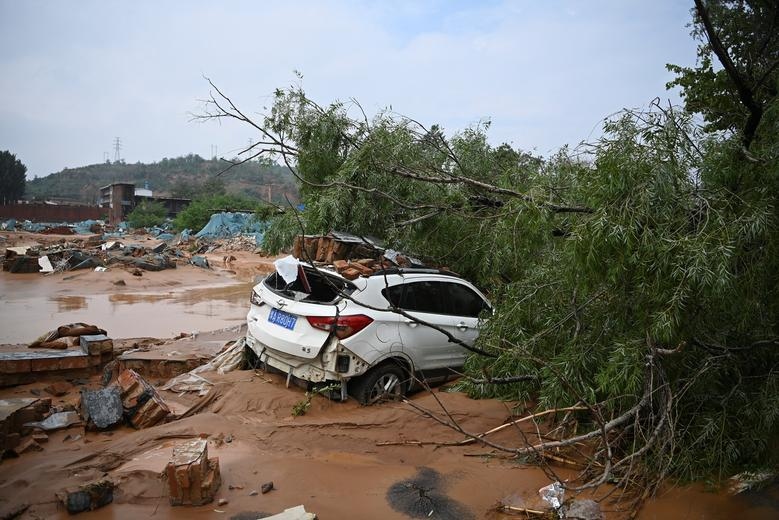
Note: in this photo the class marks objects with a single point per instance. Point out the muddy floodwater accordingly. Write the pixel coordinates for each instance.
(27, 313)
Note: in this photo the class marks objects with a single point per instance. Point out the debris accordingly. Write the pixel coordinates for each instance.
(102, 408)
(87, 497)
(57, 421)
(254, 493)
(100, 269)
(40, 437)
(267, 487)
(294, 513)
(45, 264)
(137, 272)
(421, 497)
(28, 445)
(120, 282)
(59, 388)
(222, 502)
(70, 330)
(553, 494)
(287, 268)
(15, 415)
(749, 480)
(192, 478)
(229, 360)
(583, 510)
(142, 405)
(228, 224)
(199, 261)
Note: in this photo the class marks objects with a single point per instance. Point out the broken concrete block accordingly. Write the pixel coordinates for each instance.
(102, 408)
(87, 496)
(192, 478)
(96, 344)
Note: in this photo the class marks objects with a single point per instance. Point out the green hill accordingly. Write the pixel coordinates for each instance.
(184, 177)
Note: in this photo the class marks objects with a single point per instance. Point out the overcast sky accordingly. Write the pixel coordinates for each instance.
(76, 75)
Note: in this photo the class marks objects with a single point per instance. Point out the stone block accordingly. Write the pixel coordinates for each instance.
(96, 344)
(88, 496)
(102, 408)
(192, 478)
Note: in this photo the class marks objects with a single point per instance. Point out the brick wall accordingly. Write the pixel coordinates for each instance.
(49, 213)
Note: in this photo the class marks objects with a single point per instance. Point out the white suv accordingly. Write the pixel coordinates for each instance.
(322, 329)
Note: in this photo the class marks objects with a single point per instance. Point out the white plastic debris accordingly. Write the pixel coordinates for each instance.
(100, 269)
(287, 267)
(553, 494)
(45, 264)
(227, 361)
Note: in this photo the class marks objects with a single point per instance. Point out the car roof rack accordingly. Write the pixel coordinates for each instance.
(414, 270)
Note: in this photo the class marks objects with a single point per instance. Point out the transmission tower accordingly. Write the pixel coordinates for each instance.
(117, 148)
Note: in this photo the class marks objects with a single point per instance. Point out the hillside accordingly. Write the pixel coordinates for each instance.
(179, 177)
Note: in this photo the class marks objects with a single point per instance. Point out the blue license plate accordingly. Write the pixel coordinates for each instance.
(283, 319)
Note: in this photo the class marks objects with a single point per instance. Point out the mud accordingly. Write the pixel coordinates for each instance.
(334, 459)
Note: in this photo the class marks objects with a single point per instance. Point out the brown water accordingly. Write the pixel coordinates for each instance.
(24, 317)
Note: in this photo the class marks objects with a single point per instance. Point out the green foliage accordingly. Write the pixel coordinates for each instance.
(199, 211)
(749, 35)
(147, 214)
(12, 177)
(638, 274)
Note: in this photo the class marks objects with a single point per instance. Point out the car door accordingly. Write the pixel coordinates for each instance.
(427, 301)
(465, 305)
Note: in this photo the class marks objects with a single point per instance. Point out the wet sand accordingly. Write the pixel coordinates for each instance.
(329, 460)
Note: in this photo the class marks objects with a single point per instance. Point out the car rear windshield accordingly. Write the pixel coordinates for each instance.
(322, 287)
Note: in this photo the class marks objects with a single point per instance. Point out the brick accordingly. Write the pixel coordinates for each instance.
(15, 366)
(96, 344)
(311, 245)
(297, 246)
(350, 273)
(150, 413)
(59, 388)
(323, 248)
(140, 400)
(340, 265)
(59, 363)
(40, 438)
(364, 270)
(367, 262)
(27, 446)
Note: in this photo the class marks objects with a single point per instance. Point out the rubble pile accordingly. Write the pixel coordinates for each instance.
(16, 414)
(89, 254)
(352, 256)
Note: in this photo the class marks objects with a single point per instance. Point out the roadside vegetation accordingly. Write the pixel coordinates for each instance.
(147, 214)
(634, 278)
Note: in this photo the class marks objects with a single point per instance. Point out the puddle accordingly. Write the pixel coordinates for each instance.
(127, 315)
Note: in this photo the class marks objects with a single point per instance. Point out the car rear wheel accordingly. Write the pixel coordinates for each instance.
(385, 382)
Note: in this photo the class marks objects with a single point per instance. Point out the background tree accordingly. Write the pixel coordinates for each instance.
(12, 177)
(147, 214)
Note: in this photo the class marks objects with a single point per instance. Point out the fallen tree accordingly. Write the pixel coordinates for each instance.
(634, 277)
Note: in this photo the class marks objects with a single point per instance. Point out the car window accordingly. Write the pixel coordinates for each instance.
(436, 298)
(464, 301)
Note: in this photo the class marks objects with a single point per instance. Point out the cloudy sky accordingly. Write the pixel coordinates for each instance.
(78, 74)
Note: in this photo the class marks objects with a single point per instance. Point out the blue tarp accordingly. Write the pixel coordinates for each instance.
(9, 224)
(224, 225)
(84, 227)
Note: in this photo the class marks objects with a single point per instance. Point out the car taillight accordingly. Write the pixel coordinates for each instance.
(344, 326)
(255, 299)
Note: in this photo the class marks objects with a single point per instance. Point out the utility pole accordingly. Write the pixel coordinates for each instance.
(106, 157)
(214, 151)
(117, 148)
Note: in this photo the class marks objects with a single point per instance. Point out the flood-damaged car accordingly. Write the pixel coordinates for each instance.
(319, 328)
